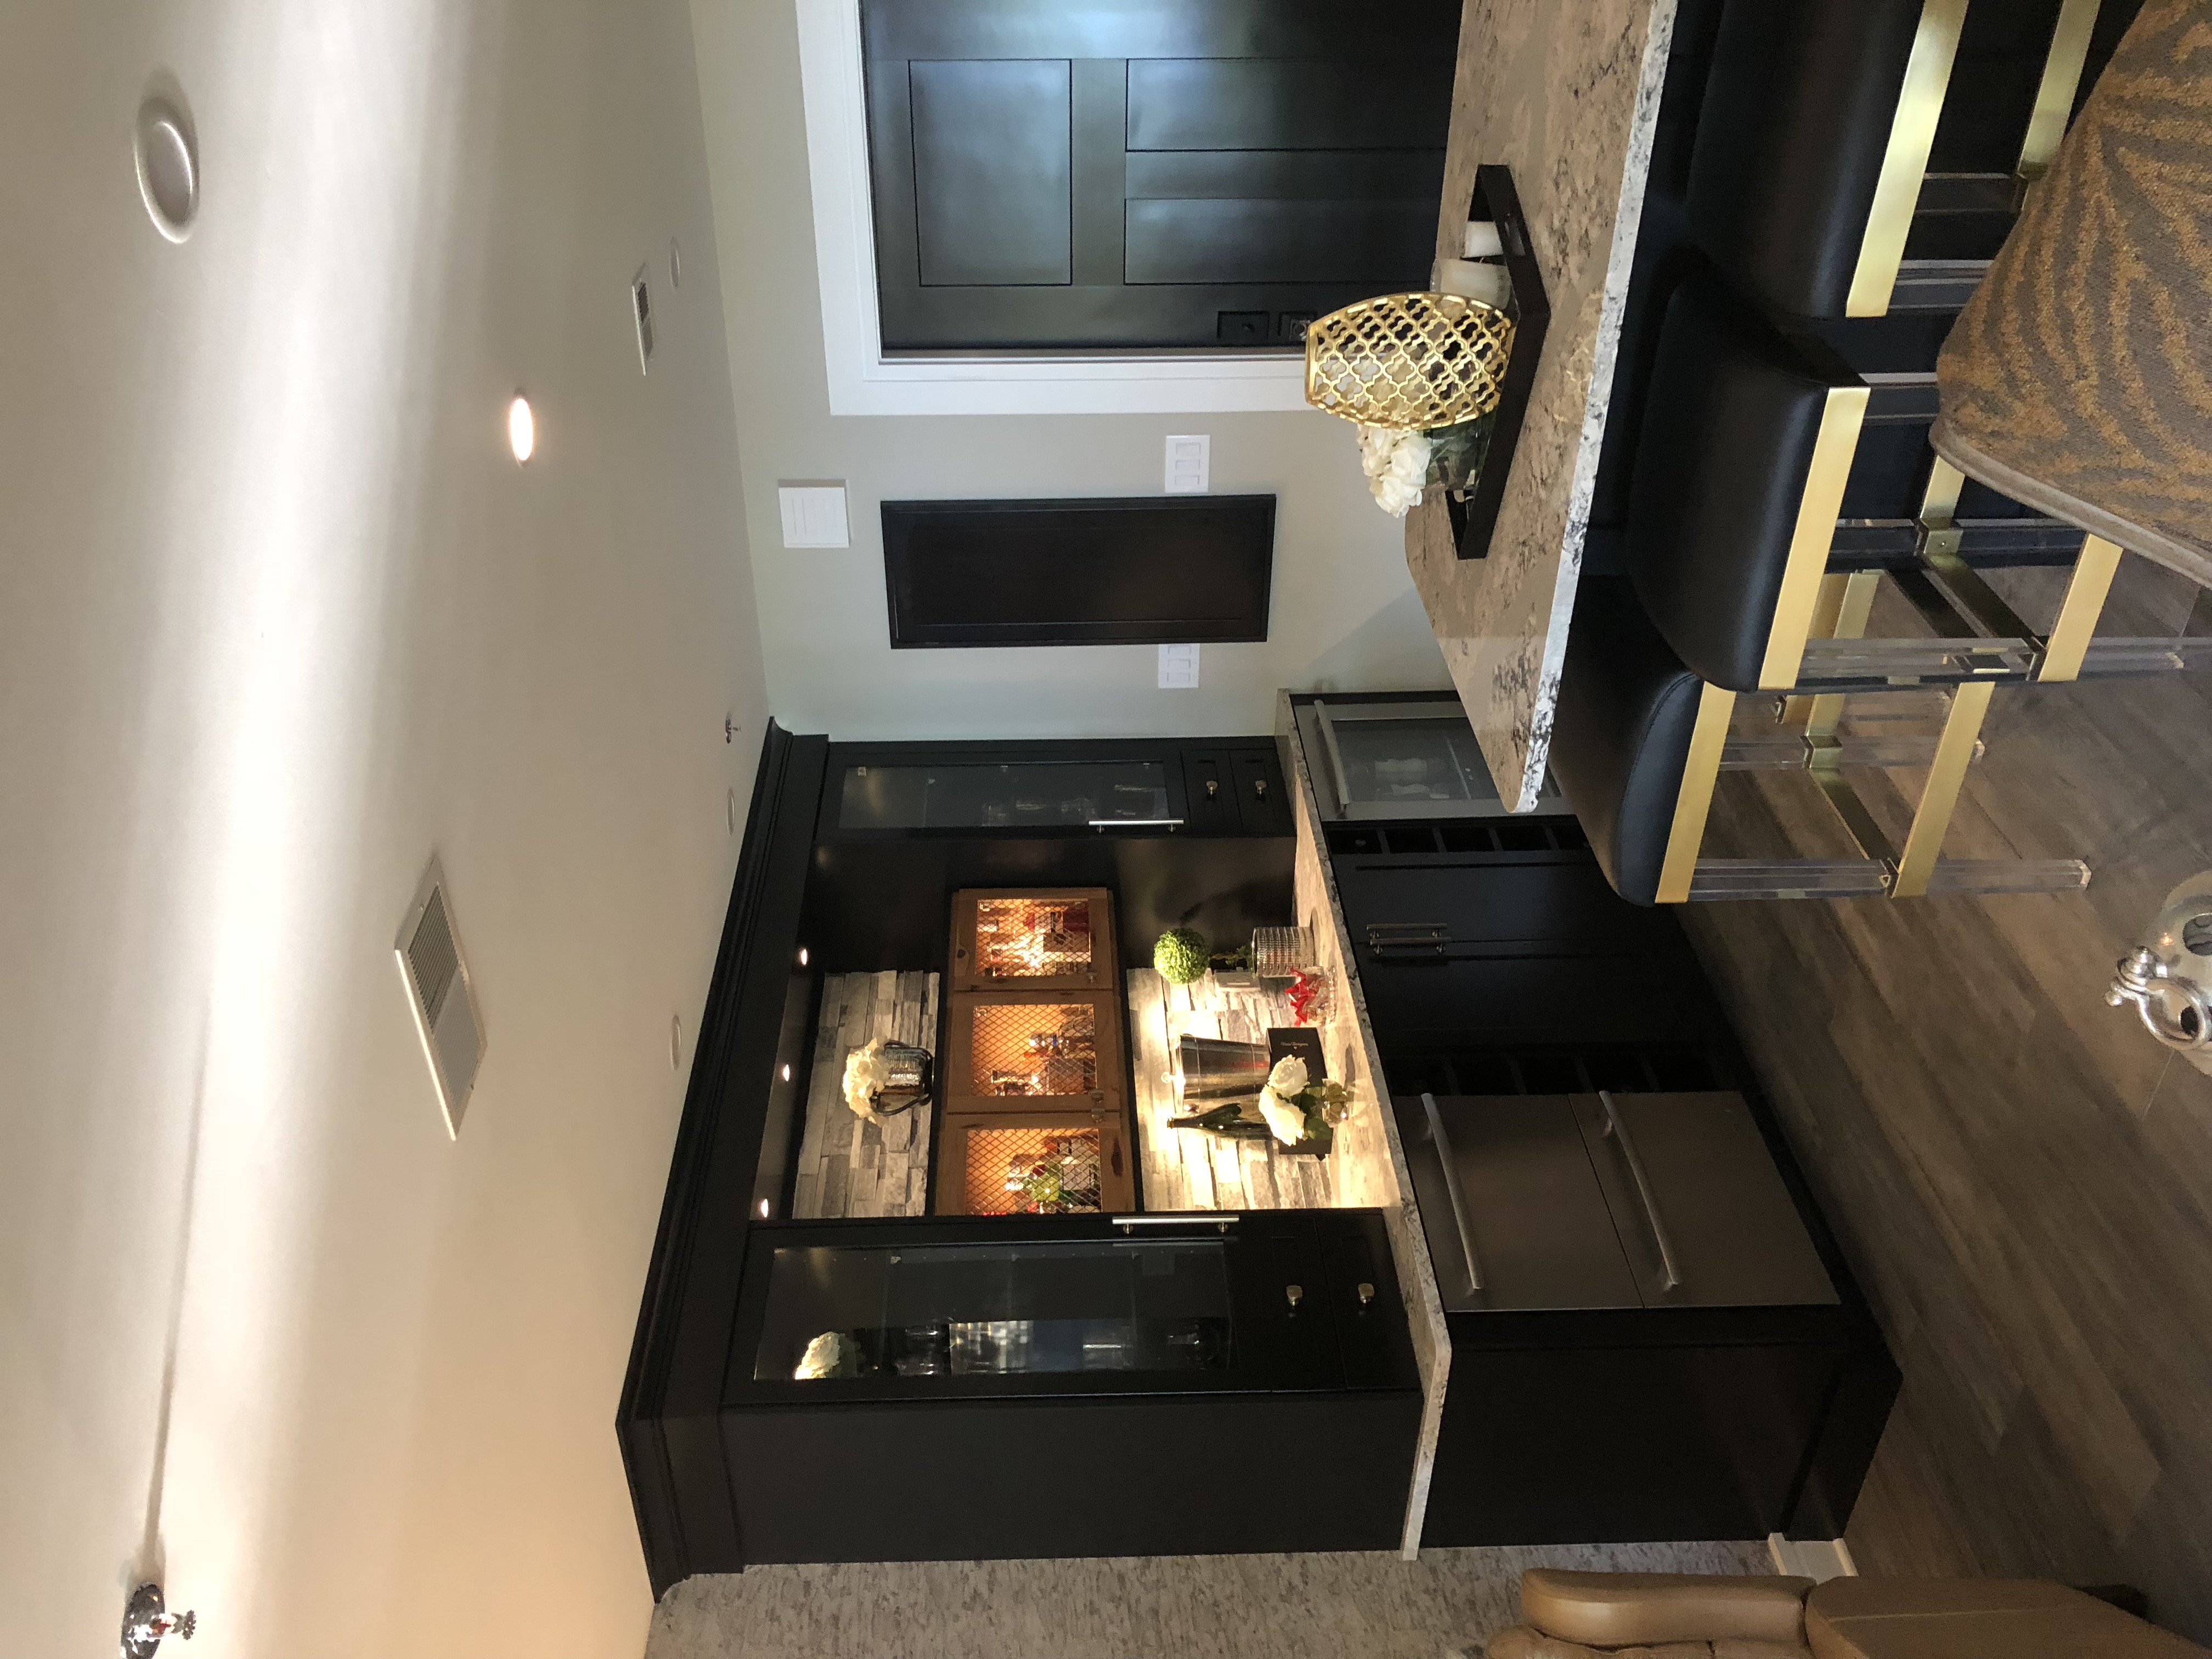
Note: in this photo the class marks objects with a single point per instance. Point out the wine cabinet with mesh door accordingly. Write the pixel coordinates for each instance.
(1035, 1081)
(1058, 1163)
(1053, 940)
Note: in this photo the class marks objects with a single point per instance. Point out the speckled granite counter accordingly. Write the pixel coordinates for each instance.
(1348, 1040)
(1567, 95)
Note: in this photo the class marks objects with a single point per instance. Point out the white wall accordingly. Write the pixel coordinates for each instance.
(1344, 613)
(277, 614)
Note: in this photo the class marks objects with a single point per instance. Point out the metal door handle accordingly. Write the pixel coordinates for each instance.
(1451, 1190)
(1294, 1294)
(1135, 823)
(1619, 1131)
(1202, 1218)
(1421, 938)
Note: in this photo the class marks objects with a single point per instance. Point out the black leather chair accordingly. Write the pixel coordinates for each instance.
(1638, 742)
(1753, 555)
(1810, 181)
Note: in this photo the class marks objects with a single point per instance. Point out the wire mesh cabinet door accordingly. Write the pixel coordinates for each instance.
(1038, 939)
(1035, 1051)
(1072, 1162)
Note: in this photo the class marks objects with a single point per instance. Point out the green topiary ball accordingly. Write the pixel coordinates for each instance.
(1181, 956)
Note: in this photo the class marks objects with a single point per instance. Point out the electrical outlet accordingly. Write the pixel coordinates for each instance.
(1190, 464)
(1178, 667)
(813, 515)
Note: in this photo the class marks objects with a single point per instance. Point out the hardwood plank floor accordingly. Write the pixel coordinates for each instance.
(2022, 1177)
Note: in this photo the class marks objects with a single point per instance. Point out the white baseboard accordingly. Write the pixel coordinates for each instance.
(1821, 1559)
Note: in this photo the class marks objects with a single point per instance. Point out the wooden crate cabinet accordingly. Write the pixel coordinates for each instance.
(1056, 938)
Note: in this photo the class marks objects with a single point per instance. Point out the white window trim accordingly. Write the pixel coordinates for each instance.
(863, 381)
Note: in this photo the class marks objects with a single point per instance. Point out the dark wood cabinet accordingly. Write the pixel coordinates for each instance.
(1207, 173)
(1070, 1387)
(1647, 1342)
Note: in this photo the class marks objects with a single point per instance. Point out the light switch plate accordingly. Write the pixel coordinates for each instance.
(1178, 667)
(1190, 464)
(813, 515)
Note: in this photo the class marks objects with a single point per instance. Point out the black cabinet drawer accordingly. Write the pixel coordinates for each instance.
(1209, 784)
(1263, 807)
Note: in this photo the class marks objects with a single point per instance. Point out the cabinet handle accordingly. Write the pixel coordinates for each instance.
(1451, 1190)
(1201, 1218)
(1425, 938)
(1136, 823)
(1213, 788)
(1259, 787)
(1366, 1293)
(1619, 1131)
(1294, 1294)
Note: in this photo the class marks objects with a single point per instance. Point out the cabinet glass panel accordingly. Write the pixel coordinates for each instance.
(1021, 1050)
(978, 1310)
(983, 796)
(1390, 762)
(1032, 937)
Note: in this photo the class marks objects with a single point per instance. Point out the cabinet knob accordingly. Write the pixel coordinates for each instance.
(1295, 1293)
(1366, 1293)
(1259, 787)
(1213, 788)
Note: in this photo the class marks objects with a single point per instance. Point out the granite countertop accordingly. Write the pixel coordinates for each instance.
(1568, 97)
(1376, 1174)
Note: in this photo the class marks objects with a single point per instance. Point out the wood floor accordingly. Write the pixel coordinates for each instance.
(2023, 1178)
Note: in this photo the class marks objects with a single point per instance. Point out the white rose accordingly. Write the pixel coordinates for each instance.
(1288, 1076)
(1395, 497)
(1410, 460)
(1285, 1121)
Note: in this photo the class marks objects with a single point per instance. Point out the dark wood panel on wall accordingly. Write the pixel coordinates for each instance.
(1116, 570)
(1014, 148)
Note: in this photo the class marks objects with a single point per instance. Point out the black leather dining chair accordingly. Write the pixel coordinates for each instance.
(1638, 742)
(1810, 181)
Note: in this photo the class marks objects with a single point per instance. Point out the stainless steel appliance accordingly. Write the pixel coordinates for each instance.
(1606, 1200)
(1388, 757)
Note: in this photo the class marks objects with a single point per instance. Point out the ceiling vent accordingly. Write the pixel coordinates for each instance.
(443, 995)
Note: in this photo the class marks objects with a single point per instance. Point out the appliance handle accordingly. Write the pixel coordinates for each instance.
(1451, 1190)
(1619, 1131)
(1335, 755)
(1199, 1219)
(1135, 823)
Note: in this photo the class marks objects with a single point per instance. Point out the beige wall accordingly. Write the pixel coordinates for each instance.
(1344, 613)
(277, 615)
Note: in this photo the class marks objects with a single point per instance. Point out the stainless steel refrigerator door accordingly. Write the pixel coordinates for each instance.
(1698, 1204)
(1401, 760)
(1536, 1233)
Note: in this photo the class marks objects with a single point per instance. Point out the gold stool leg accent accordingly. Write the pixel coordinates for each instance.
(1708, 738)
(1905, 162)
(1824, 713)
(1954, 752)
(2054, 97)
(2077, 617)
(1805, 574)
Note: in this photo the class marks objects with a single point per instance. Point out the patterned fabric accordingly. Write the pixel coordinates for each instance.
(2078, 377)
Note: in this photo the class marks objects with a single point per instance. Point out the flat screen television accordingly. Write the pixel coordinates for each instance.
(1118, 570)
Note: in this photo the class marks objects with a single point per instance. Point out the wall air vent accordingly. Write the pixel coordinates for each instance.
(443, 996)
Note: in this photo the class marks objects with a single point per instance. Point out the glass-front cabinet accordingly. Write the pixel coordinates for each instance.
(947, 1308)
(984, 795)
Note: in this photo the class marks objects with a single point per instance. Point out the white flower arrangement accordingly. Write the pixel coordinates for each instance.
(1397, 467)
(866, 1070)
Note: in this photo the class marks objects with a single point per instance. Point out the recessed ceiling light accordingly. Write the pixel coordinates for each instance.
(802, 955)
(522, 428)
(763, 1209)
(787, 1074)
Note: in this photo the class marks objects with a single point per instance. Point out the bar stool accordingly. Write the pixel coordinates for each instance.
(1810, 170)
(1638, 741)
(1736, 514)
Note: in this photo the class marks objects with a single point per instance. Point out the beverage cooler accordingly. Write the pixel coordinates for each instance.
(1037, 1385)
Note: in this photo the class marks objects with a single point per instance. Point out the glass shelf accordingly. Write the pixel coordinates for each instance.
(1031, 1308)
